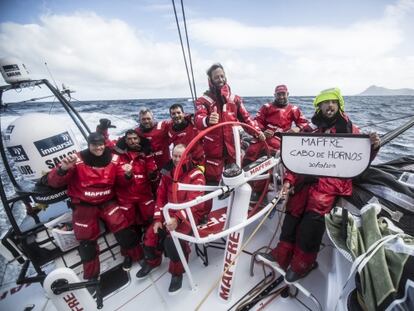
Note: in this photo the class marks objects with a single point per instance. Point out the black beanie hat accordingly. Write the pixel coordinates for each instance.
(96, 138)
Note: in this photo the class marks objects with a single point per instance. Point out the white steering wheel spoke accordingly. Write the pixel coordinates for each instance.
(191, 187)
(237, 147)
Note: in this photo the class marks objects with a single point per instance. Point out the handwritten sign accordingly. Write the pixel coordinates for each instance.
(331, 155)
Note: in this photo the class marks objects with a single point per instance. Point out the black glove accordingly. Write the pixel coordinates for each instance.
(162, 234)
(43, 180)
(153, 176)
(121, 143)
(246, 140)
(146, 146)
(104, 124)
(244, 144)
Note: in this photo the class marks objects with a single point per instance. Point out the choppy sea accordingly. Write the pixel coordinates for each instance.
(370, 113)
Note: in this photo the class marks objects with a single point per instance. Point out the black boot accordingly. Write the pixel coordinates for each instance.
(292, 276)
(126, 266)
(92, 288)
(145, 270)
(175, 284)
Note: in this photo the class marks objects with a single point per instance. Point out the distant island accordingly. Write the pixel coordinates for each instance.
(374, 90)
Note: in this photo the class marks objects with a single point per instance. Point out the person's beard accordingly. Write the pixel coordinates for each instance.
(217, 87)
(133, 147)
(146, 128)
(178, 126)
(320, 120)
(281, 101)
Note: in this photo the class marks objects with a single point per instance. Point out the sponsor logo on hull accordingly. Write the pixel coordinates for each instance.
(54, 144)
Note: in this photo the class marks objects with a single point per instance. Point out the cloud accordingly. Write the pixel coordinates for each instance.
(295, 41)
(106, 58)
(399, 10)
(87, 51)
(312, 58)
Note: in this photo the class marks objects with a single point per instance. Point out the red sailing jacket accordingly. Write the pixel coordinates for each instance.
(232, 110)
(158, 137)
(93, 185)
(184, 136)
(164, 193)
(138, 187)
(280, 119)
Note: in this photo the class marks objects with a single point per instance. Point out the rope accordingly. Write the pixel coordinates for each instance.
(132, 122)
(266, 248)
(31, 100)
(268, 279)
(3, 274)
(237, 255)
(386, 138)
(53, 79)
(282, 212)
(274, 296)
(188, 49)
(386, 121)
(183, 51)
(52, 105)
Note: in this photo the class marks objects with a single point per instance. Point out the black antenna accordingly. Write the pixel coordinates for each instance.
(51, 76)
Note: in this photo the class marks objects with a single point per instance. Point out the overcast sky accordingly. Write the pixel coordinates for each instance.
(130, 49)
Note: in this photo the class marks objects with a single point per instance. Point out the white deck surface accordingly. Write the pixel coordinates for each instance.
(152, 293)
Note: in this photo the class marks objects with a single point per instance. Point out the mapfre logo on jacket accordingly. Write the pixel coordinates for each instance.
(94, 194)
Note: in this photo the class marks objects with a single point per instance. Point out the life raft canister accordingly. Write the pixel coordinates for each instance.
(38, 142)
(13, 70)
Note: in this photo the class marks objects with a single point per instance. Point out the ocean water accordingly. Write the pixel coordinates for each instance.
(370, 113)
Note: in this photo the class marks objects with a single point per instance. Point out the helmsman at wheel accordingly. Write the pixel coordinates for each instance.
(217, 105)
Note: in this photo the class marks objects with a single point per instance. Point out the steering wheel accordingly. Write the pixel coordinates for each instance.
(196, 139)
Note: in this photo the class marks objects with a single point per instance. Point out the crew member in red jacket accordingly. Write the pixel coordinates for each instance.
(218, 105)
(181, 130)
(90, 177)
(312, 198)
(157, 134)
(272, 118)
(276, 117)
(179, 222)
(134, 192)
